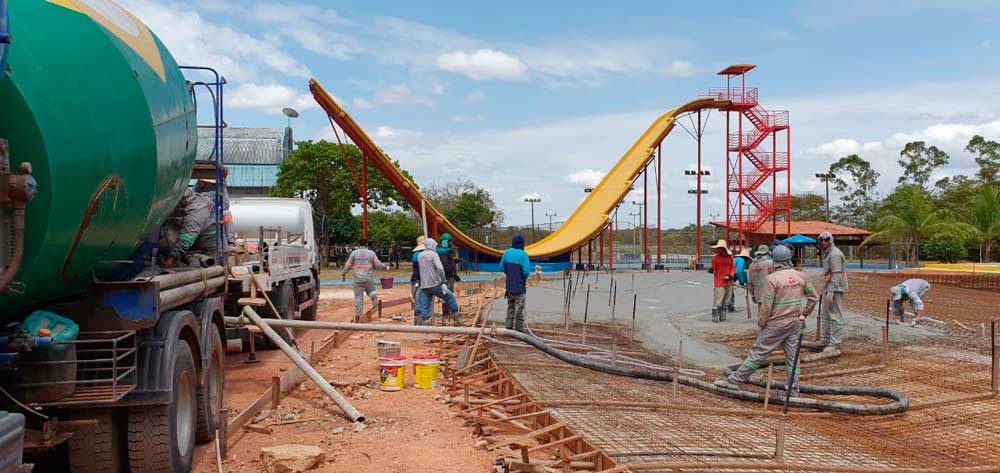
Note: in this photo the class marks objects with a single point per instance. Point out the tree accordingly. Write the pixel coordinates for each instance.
(987, 157)
(392, 229)
(860, 202)
(945, 247)
(919, 161)
(465, 204)
(984, 210)
(808, 207)
(955, 192)
(318, 172)
(909, 216)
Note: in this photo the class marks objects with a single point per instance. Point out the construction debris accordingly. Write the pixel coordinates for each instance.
(291, 458)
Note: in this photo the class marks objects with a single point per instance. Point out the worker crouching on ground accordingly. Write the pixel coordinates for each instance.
(418, 318)
(762, 267)
(432, 284)
(515, 266)
(724, 270)
(831, 314)
(449, 259)
(364, 262)
(781, 318)
(913, 290)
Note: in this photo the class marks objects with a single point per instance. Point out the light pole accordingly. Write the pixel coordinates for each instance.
(550, 215)
(532, 201)
(634, 225)
(825, 177)
(642, 222)
(712, 217)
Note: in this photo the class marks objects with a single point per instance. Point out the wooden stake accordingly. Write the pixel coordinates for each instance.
(995, 378)
(885, 346)
(218, 452)
(614, 302)
(779, 444)
(680, 364)
(635, 299)
(767, 390)
(275, 392)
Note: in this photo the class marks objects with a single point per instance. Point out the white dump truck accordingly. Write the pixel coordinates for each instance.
(276, 247)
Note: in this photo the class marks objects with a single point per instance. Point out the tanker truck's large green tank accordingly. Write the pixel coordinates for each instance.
(99, 107)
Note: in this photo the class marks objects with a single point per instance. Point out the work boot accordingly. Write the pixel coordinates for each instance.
(732, 308)
(726, 383)
(722, 315)
(715, 315)
(418, 319)
(831, 348)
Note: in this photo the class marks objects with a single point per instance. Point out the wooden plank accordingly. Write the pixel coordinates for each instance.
(556, 443)
(500, 424)
(529, 436)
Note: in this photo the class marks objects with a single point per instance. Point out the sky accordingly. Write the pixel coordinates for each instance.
(541, 98)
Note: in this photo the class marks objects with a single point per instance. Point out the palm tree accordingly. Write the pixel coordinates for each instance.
(984, 210)
(908, 215)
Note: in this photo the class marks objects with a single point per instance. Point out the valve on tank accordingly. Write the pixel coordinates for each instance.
(16, 190)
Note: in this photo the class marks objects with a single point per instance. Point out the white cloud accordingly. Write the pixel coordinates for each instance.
(679, 69)
(586, 177)
(268, 98)
(837, 148)
(460, 118)
(475, 97)
(872, 147)
(362, 103)
(483, 64)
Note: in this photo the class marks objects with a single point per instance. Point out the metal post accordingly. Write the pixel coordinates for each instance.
(697, 251)
(645, 215)
(659, 203)
(364, 196)
(635, 299)
(995, 378)
(680, 365)
(601, 250)
(611, 243)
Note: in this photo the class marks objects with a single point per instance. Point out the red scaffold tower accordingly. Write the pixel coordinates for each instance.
(754, 164)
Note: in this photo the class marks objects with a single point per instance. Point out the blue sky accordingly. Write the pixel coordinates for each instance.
(542, 97)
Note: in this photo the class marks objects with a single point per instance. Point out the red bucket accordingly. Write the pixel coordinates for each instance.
(386, 283)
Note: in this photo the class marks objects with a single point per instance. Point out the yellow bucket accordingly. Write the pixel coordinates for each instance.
(425, 371)
(391, 372)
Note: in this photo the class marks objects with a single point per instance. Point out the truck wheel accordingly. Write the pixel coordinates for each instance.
(161, 438)
(309, 313)
(98, 450)
(210, 392)
(286, 300)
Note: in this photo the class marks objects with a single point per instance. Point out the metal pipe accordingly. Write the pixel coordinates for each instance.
(306, 368)
(171, 280)
(15, 264)
(187, 293)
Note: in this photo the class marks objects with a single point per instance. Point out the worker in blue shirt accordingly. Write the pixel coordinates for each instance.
(515, 265)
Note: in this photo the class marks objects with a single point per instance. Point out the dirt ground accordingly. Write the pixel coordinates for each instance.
(410, 430)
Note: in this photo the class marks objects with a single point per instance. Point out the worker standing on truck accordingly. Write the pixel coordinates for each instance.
(193, 222)
(432, 284)
(762, 267)
(781, 318)
(724, 270)
(831, 314)
(449, 259)
(208, 186)
(515, 265)
(913, 290)
(364, 262)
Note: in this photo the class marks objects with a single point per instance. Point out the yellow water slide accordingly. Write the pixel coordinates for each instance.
(584, 224)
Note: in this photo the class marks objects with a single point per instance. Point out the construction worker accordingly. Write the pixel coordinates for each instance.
(724, 270)
(364, 262)
(761, 267)
(190, 229)
(449, 259)
(516, 266)
(742, 261)
(913, 290)
(208, 186)
(418, 317)
(781, 319)
(432, 284)
(835, 285)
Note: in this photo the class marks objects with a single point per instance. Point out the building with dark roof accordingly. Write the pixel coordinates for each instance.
(252, 156)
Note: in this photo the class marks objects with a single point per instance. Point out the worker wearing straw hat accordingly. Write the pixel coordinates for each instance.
(724, 270)
(742, 261)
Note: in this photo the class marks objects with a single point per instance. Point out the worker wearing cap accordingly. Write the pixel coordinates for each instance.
(913, 290)
(516, 267)
(781, 318)
(449, 259)
(834, 286)
(762, 266)
(432, 284)
(724, 270)
(415, 294)
(742, 261)
(208, 186)
(190, 229)
(364, 262)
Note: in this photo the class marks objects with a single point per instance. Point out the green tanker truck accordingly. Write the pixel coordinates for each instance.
(100, 349)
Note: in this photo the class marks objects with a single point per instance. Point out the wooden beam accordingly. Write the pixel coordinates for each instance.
(529, 436)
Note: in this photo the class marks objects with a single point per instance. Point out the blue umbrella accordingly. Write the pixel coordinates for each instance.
(798, 239)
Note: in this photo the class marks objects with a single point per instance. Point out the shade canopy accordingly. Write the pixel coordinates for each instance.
(799, 239)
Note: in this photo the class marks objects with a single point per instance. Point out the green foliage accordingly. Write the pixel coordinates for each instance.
(392, 229)
(343, 228)
(465, 204)
(945, 247)
(909, 216)
(919, 161)
(987, 157)
(858, 181)
(808, 207)
(956, 192)
(984, 210)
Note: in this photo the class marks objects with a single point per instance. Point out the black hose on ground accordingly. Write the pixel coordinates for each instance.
(900, 401)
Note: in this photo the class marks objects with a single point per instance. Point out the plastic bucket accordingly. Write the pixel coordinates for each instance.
(425, 371)
(388, 348)
(386, 283)
(391, 372)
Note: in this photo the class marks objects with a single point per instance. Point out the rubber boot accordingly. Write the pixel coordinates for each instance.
(715, 315)
(722, 314)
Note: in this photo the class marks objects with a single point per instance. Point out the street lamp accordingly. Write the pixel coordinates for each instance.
(634, 225)
(550, 215)
(825, 177)
(532, 201)
(712, 217)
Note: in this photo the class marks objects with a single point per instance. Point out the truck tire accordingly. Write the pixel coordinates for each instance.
(309, 313)
(285, 300)
(210, 392)
(98, 450)
(161, 438)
